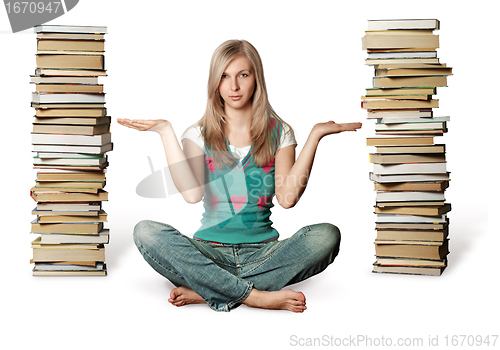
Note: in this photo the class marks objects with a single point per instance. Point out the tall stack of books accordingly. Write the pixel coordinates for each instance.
(409, 168)
(71, 135)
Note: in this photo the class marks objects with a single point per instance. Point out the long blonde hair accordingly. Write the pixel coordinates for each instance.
(212, 123)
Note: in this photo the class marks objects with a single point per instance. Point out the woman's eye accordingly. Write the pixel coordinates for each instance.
(224, 76)
(244, 75)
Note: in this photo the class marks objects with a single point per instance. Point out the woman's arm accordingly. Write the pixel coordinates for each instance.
(291, 177)
(186, 166)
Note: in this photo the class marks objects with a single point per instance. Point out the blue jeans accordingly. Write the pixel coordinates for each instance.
(224, 275)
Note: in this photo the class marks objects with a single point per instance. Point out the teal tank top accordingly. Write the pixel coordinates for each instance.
(238, 199)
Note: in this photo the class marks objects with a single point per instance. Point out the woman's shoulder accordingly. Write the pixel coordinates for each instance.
(284, 131)
(193, 133)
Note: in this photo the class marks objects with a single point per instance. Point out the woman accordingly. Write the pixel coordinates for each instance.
(236, 158)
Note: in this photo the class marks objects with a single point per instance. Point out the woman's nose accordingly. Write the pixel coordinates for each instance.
(234, 85)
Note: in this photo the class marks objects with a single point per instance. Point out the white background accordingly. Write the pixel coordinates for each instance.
(157, 57)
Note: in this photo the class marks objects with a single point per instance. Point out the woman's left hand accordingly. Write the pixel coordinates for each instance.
(330, 127)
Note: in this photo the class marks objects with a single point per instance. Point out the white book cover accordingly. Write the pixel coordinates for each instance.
(61, 139)
(410, 168)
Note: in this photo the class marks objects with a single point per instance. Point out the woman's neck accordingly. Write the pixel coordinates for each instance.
(238, 120)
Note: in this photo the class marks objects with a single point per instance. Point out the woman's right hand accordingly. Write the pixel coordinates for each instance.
(156, 125)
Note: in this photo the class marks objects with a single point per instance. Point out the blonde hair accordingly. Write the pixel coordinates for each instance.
(212, 123)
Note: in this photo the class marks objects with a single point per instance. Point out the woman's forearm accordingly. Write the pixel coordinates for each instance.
(295, 183)
(184, 179)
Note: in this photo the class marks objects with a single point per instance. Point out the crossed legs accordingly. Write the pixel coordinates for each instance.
(204, 273)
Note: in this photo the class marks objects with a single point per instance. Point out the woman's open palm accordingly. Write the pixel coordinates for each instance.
(144, 124)
(330, 127)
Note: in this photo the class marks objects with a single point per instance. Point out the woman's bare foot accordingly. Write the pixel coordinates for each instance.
(280, 300)
(184, 296)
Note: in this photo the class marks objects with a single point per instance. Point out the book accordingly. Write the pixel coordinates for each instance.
(410, 262)
(399, 113)
(380, 40)
(71, 112)
(435, 132)
(411, 249)
(45, 28)
(398, 104)
(73, 120)
(81, 227)
(421, 219)
(399, 141)
(396, 196)
(57, 87)
(58, 72)
(70, 45)
(73, 148)
(77, 176)
(68, 189)
(412, 186)
(439, 148)
(412, 225)
(70, 61)
(50, 155)
(69, 36)
(58, 269)
(75, 184)
(101, 238)
(397, 120)
(66, 105)
(56, 196)
(67, 252)
(74, 167)
(411, 270)
(410, 204)
(396, 24)
(420, 124)
(71, 129)
(410, 210)
(412, 234)
(417, 168)
(388, 178)
(39, 79)
(379, 158)
(54, 208)
(426, 55)
(101, 217)
(400, 91)
(41, 213)
(402, 60)
(393, 82)
(43, 97)
(410, 71)
(80, 140)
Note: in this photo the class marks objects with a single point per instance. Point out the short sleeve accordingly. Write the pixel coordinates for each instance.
(287, 139)
(194, 134)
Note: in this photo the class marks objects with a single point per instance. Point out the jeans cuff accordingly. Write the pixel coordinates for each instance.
(235, 303)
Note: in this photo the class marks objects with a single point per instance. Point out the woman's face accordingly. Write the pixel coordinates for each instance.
(237, 84)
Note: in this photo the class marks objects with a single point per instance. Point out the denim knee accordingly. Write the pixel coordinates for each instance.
(143, 231)
(328, 237)
(139, 230)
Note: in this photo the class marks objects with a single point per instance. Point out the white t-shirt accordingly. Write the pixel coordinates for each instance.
(194, 134)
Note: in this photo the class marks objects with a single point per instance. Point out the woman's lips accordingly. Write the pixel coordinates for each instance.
(235, 98)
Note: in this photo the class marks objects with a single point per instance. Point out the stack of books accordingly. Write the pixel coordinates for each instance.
(71, 135)
(409, 169)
